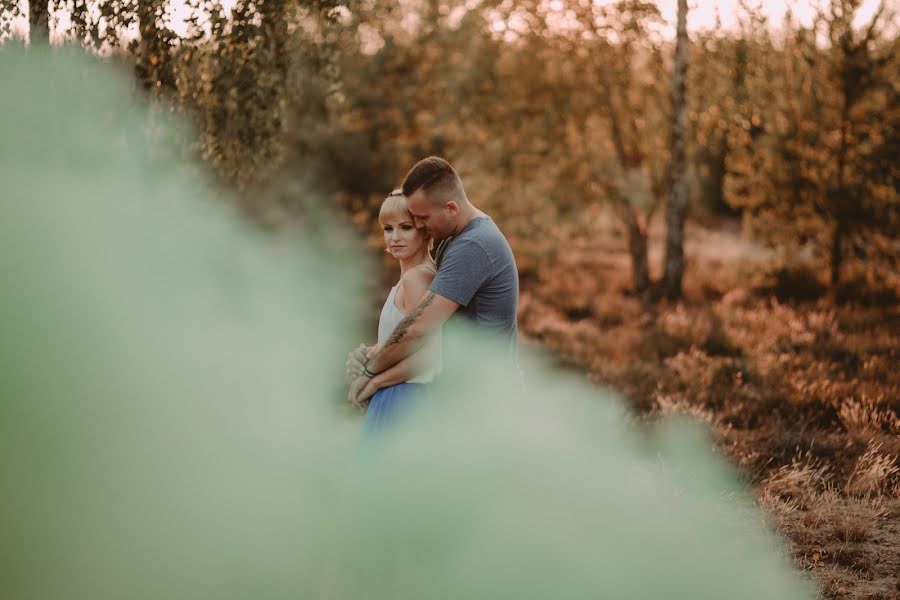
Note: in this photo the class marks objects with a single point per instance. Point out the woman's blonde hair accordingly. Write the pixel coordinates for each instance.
(394, 206)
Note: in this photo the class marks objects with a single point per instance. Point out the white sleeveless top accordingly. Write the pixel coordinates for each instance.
(390, 318)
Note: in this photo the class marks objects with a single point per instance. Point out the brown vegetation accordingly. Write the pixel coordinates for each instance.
(801, 390)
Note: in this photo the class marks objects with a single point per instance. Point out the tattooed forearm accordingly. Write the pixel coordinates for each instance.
(407, 337)
(403, 326)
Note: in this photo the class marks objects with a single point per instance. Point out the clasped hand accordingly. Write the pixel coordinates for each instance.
(361, 386)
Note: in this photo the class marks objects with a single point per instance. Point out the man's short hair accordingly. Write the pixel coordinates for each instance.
(436, 177)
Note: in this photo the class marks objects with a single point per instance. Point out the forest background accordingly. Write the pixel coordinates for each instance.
(705, 219)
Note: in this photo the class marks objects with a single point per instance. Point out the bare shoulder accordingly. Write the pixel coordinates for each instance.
(421, 274)
(413, 286)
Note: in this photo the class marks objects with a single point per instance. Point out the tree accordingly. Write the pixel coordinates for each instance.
(856, 70)
(152, 50)
(39, 22)
(247, 84)
(675, 209)
(715, 88)
(813, 166)
(632, 101)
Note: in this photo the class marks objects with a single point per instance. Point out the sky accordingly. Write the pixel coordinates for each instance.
(702, 13)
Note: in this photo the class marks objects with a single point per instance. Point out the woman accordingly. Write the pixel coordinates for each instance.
(407, 381)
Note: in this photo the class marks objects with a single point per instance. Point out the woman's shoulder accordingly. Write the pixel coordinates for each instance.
(422, 273)
(413, 285)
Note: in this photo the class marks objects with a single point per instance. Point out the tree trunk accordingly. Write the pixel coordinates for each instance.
(39, 22)
(837, 257)
(637, 236)
(637, 247)
(677, 205)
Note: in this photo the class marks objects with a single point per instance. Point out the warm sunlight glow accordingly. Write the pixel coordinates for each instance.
(703, 13)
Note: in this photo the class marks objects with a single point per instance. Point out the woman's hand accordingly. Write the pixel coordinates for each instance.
(370, 388)
(361, 389)
(356, 361)
(356, 386)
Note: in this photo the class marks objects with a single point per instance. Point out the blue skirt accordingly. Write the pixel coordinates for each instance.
(391, 403)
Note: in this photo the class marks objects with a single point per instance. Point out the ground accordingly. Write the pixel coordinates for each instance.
(798, 382)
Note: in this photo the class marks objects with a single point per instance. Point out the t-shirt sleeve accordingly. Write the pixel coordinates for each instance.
(464, 268)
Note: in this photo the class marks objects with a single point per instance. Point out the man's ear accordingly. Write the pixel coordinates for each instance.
(452, 207)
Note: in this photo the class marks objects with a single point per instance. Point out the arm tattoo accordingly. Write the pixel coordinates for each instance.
(403, 326)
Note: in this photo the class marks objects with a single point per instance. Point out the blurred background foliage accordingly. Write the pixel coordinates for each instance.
(551, 110)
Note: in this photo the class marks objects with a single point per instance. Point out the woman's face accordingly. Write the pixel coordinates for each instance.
(401, 237)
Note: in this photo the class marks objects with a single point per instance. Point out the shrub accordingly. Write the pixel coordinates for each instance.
(798, 283)
(660, 344)
(718, 343)
(860, 291)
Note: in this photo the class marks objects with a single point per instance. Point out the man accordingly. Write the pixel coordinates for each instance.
(477, 276)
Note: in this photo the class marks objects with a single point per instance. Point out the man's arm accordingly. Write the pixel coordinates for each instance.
(411, 333)
(363, 388)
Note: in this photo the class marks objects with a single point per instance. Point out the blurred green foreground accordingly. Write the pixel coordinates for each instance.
(169, 425)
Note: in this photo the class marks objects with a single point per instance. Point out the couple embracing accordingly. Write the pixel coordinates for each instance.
(472, 275)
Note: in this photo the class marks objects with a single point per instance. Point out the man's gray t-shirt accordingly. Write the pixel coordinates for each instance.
(477, 270)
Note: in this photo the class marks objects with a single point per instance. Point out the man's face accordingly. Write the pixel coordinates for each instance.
(432, 217)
